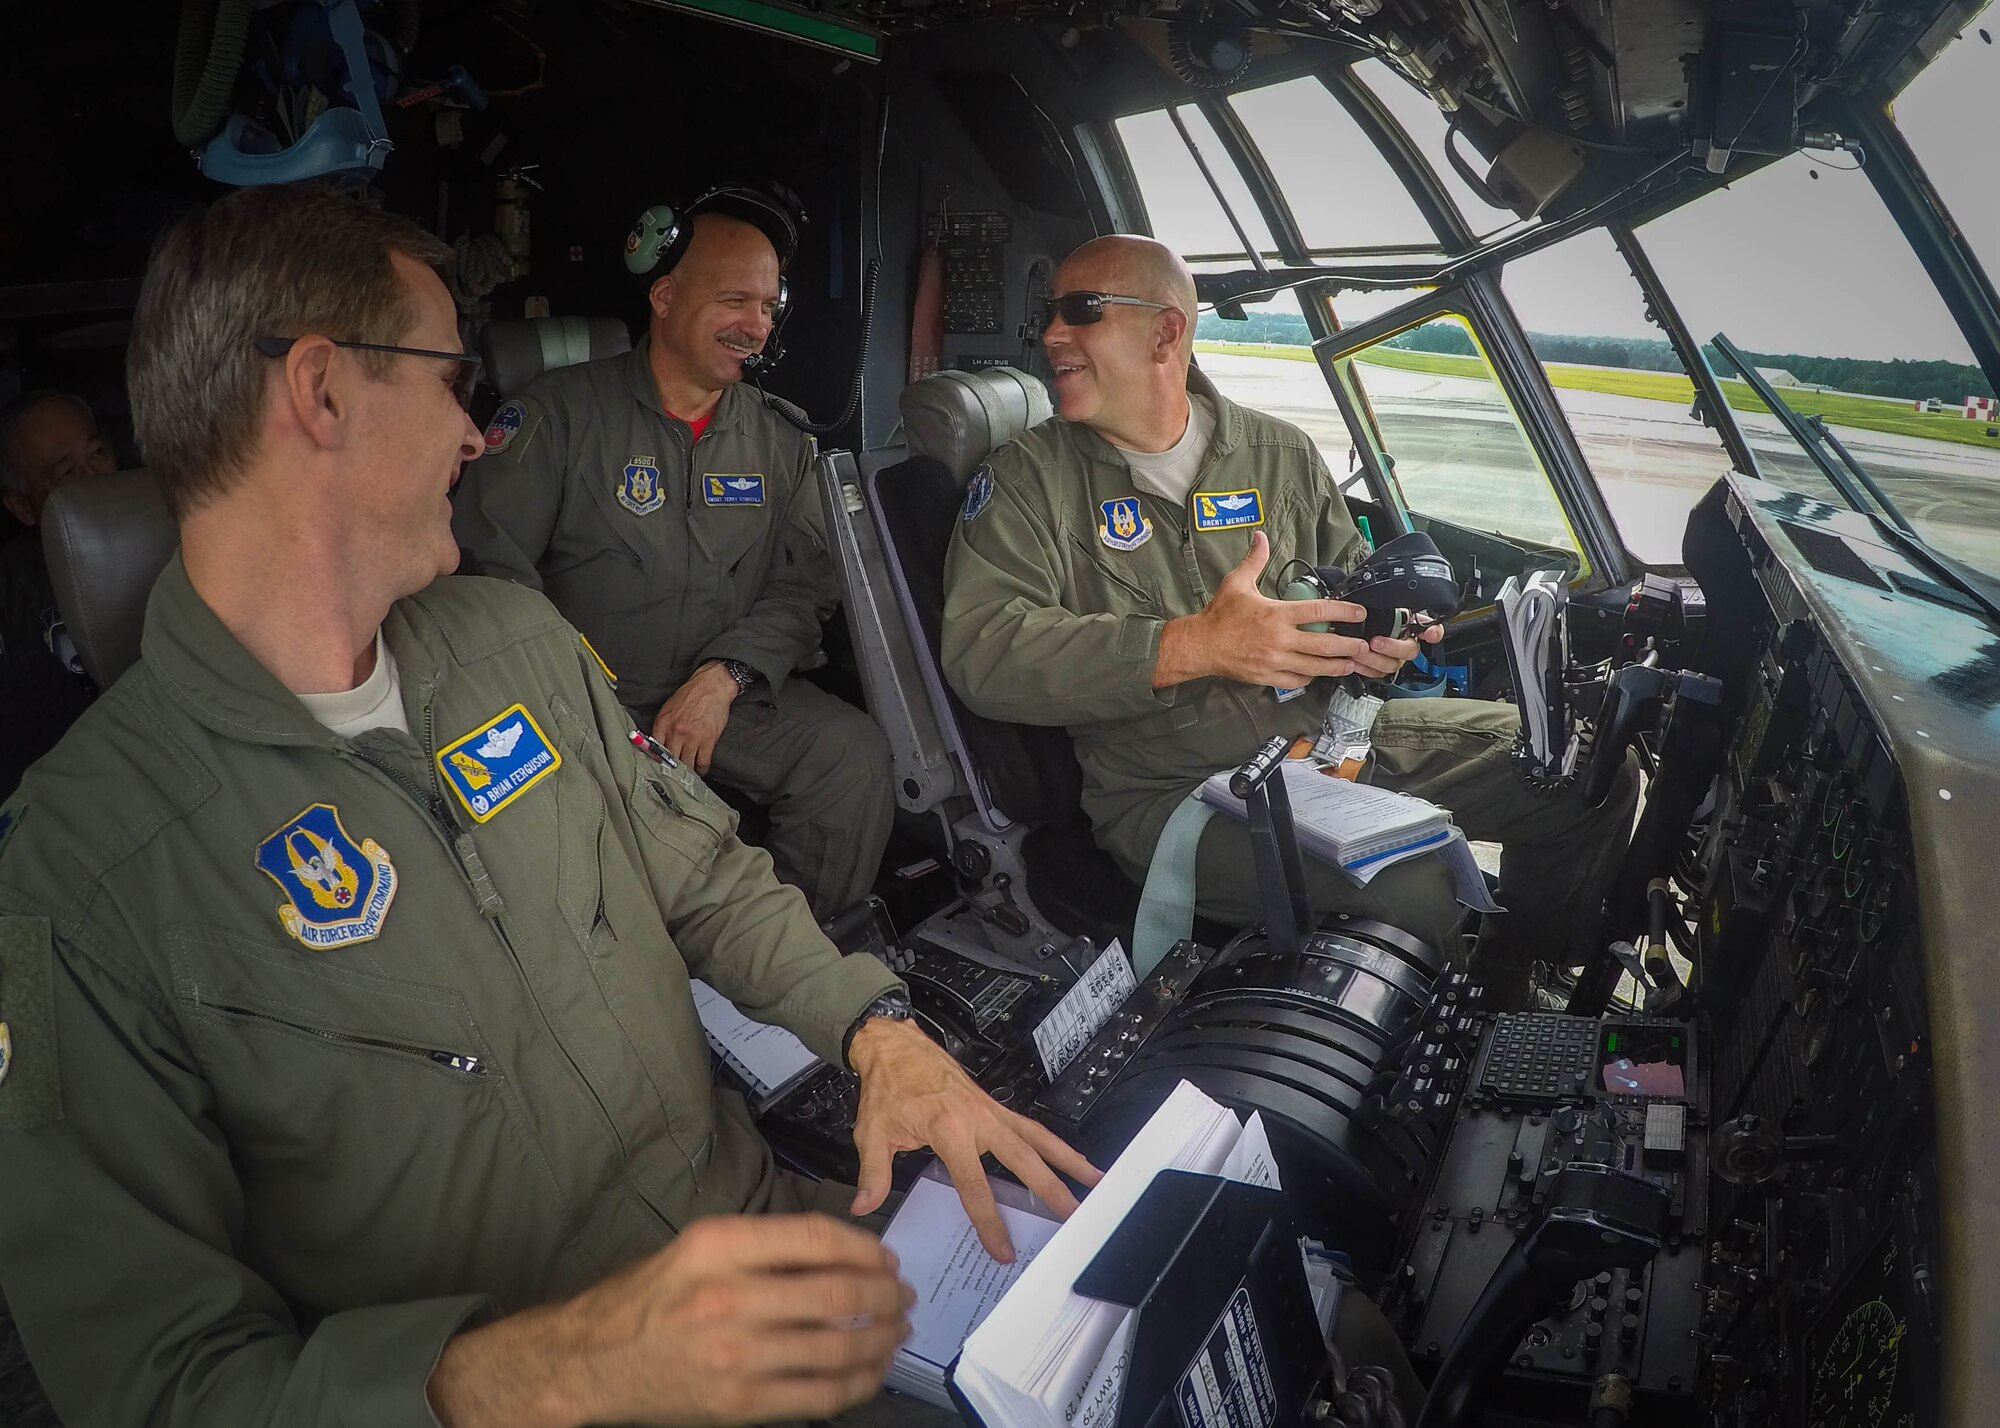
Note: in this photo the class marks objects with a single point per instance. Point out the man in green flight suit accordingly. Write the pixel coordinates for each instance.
(1111, 572)
(349, 1070)
(674, 517)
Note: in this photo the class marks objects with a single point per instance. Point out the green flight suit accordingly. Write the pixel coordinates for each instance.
(1062, 575)
(256, 1175)
(668, 553)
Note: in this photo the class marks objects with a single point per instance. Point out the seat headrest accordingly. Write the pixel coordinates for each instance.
(519, 350)
(106, 540)
(961, 418)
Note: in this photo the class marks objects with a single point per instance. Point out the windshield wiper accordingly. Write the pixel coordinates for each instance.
(1803, 432)
(1852, 480)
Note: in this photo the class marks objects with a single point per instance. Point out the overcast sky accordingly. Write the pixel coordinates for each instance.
(1781, 261)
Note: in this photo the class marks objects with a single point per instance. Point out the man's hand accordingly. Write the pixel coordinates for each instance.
(1244, 635)
(742, 1319)
(913, 1094)
(694, 716)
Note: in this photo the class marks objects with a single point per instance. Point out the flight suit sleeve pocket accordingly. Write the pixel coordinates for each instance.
(677, 809)
(30, 1079)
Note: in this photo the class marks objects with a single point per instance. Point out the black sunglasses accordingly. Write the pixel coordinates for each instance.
(462, 381)
(1080, 309)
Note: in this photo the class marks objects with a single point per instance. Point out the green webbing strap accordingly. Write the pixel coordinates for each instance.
(1166, 907)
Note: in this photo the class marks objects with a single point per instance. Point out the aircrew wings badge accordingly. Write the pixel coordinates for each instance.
(640, 492)
(733, 488)
(1125, 525)
(498, 762)
(1227, 510)
(505, 426)
(337, 891)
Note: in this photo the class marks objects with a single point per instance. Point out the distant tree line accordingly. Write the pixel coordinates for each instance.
(1949, 381)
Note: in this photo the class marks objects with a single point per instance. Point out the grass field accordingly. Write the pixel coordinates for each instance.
(1858, 412)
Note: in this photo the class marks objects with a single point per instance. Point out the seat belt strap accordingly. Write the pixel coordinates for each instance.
(1166, 906)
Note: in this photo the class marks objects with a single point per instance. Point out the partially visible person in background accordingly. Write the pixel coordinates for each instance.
(47, 438)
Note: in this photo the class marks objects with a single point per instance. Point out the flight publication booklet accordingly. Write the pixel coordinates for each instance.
(1031, 1352)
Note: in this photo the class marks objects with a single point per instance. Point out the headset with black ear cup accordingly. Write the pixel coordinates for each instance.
(661, 237)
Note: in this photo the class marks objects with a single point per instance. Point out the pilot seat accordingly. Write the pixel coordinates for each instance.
(1009, 795)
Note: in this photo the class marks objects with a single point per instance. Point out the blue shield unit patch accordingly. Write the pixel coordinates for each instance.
(498, 762)
(1125, 526)
(1227, 510)
(337, 891)
(733, 488)
(978, 491)
(505, 426)
(640, 491)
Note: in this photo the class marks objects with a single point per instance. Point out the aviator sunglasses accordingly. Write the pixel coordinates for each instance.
(1080, 309)
(462, 382)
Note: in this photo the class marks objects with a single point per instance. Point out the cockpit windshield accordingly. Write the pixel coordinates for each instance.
(1852, 332)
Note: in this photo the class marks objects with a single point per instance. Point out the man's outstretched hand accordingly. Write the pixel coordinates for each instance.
(1245, 635)
(914, 1094)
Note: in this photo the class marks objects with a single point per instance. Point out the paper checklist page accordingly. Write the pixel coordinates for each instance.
(957, 1282)
(1099, 992)
(766, 1056)
(1047, 1355)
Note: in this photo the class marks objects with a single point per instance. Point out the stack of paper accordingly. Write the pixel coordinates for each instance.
(1047, 1357)
(1351, 825)
(957, 1282)
(768, 1058)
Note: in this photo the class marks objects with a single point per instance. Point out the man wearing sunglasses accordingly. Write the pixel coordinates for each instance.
(674, 517)
(349, 1069)
(1116, 571)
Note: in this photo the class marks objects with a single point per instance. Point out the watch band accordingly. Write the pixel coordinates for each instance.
(893, 1005)
(745, 675)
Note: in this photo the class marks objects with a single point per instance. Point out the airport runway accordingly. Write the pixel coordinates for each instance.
(1459, 451)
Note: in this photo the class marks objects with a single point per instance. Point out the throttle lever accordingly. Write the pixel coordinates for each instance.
(1596, 1219)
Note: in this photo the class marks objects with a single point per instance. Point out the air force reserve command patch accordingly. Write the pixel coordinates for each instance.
(338, 891)
(639, 491)
(498, 762)
(733, 488)
(505, 426)
(1125, 526)
(978, 491)
(1227, 510)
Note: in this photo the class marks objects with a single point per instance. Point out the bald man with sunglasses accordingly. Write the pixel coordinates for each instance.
(1116, 572)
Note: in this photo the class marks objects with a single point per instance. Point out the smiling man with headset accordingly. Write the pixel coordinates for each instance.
(672, 514)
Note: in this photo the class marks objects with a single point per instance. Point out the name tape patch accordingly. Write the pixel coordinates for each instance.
(498, 762)
(733, 488)
(1227, 510)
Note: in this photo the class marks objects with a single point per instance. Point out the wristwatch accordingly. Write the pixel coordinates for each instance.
(744, 675)
(894, 1005)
